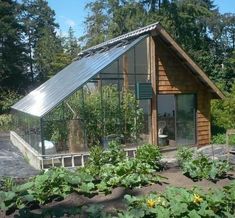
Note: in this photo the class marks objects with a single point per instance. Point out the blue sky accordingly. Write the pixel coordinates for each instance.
(72, 13)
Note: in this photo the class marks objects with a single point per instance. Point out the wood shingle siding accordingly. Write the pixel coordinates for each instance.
(173, 77)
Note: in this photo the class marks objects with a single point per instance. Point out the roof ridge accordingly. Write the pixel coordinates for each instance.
(121, 37)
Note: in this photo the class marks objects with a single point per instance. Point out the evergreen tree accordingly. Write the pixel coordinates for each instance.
(96, 23)
(71, 44)
(11, 47)
(46, 50)
(126, 15)
(151, 5)
(40, 35)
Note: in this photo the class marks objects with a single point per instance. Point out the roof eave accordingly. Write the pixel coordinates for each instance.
(191, 64)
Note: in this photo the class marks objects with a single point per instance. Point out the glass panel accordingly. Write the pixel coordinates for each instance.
(185, 119)
(141, 58)
(28, 128)
(166, 120)
(144, 122)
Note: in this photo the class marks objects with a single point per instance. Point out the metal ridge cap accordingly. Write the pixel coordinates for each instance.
(121, 37)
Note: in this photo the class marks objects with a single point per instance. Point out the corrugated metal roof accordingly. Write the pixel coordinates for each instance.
(126, 36)
(55, 90)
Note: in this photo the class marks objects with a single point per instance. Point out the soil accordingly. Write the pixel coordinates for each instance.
(115, 199)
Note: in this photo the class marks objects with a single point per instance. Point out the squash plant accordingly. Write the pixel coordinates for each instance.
(198, 166)
(181, 202)
(105, 170)
(150, 154)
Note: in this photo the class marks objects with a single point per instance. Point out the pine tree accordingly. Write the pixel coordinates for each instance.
(96, 23)
(42, 42)
(46, 50)
(11, 47)
(71, 45)
(126, 15)
(151, 5)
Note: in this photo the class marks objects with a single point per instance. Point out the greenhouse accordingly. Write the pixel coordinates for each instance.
(89, 109)
(114, 91)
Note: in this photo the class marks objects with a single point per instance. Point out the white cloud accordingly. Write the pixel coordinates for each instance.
(68, 21)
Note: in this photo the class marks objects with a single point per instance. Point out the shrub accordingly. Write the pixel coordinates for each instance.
(221, 139)
(7, 99)
(223, 112)
(5, 122)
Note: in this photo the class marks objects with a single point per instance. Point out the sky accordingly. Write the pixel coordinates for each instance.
(72, 13)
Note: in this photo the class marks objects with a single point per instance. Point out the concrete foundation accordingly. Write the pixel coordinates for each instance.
(30, 154)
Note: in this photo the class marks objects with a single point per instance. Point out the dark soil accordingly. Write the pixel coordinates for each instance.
(115, 199)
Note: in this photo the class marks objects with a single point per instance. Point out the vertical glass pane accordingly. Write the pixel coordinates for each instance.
(166, 120)
(144, 122)
(28, 128)
(141, 58)
(185, 119)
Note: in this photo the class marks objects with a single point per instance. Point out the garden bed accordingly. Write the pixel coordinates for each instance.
(175, 178)
(109, 176)
(115, 200)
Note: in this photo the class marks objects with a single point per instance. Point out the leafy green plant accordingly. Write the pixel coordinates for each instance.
(149, 154)
(219, 139)
(5, 122)
(128, 173)
(6, 184)
(184, 154)
(114, 154)
(99, 157)
(108, 114)
(17, 197)
(181, 202)
(95, 161)
(7, 99)
(105, 170)
(53, 182)
(100, 115)
(198, 166)
(113, 169)
(94, 211)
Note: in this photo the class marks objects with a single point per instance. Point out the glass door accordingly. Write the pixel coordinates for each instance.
(166, 120)
(185, 119)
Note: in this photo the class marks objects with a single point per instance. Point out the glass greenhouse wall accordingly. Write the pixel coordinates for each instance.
(28, 128)
(105, 108)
